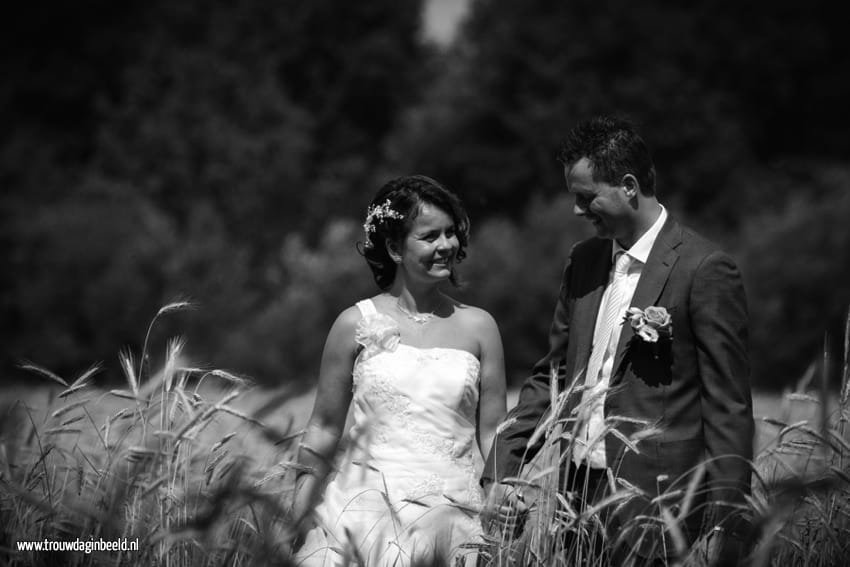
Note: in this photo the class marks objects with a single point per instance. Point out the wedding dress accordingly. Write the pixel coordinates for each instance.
(406, 490)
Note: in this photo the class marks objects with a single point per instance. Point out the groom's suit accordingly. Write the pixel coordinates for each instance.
(694, 386)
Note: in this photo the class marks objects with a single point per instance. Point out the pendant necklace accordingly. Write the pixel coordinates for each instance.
(419, 318)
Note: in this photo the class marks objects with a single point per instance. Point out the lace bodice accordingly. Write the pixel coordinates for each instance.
(430, 392)
(411, 468)
(412, 404)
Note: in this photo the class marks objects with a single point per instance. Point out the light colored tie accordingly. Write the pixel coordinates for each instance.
(611, 315)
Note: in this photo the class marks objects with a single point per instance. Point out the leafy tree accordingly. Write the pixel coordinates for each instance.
(796, 275)
(514, 271)
(715, 86)
(86, 275)
(224, 129)
(270, 111)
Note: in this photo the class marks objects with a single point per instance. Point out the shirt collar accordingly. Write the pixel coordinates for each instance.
(640, 250)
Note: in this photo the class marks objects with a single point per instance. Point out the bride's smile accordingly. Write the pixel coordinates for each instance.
(430, 247)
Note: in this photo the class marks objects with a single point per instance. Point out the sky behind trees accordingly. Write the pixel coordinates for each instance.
(442, 18)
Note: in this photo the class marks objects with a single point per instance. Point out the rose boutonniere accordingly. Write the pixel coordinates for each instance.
(651, 323)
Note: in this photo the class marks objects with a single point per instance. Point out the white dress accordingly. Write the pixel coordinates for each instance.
(406, 490)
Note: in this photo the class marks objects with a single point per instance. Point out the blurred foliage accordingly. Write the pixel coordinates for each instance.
(797, 274)
(224, 153)
(514, 271)
(220, 133)
(714, 85)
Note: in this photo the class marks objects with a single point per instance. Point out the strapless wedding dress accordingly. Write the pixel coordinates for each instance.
(406, 491)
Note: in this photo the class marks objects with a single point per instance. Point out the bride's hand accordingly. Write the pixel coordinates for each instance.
(299, 533)
(300, 508)
(300, 522)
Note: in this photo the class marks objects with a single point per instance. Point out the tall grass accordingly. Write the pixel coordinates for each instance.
(174, 461)
(195, 480)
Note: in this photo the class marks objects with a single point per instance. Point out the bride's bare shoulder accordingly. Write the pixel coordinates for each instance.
(474, 317)
(347, 320)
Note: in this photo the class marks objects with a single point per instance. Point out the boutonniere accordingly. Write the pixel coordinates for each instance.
(651, 323)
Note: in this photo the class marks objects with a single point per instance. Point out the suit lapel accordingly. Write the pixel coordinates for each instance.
(653, 278)
(587, 307)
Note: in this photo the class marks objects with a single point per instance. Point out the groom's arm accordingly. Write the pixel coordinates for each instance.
(719, 318)
(509, 451)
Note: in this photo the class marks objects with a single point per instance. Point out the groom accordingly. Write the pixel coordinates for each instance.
(686, 375)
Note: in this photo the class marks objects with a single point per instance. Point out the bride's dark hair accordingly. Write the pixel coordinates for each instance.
(405, 196)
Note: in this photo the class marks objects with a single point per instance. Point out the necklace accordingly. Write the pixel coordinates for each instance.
(420, 318)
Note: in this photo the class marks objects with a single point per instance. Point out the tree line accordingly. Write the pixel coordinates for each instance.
(225, 153)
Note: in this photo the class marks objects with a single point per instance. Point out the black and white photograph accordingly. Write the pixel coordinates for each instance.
(424, 283)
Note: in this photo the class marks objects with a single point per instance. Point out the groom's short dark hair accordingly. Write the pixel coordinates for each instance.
(613, 147)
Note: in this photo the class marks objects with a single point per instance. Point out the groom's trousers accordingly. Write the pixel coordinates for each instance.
(585, 487)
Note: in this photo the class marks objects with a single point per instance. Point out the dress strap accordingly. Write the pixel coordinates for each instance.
(366, 307)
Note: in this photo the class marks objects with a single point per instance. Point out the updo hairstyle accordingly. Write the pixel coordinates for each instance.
(405, 196)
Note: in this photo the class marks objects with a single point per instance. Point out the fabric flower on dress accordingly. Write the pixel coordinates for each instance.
(651, 323)
(377, 333)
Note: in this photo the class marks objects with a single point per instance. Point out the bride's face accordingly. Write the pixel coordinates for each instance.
(430, 247)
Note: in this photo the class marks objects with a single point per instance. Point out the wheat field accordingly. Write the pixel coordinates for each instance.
(197, 465)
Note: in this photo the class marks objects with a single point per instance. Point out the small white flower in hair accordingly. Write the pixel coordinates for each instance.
(375, 214)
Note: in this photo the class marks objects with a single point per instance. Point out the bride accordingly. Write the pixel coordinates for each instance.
(425, 377)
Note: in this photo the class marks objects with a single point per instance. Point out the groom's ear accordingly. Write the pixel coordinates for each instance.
(630, 185)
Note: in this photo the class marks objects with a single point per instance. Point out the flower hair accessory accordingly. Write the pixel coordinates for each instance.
(651, 323)
(374, 215)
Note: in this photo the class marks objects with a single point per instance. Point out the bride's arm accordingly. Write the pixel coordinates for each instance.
(492, 405)
(333, 396)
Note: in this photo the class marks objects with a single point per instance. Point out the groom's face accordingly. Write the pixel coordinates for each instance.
(605, 206)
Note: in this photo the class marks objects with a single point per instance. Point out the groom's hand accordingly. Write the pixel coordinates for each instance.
(505, 509)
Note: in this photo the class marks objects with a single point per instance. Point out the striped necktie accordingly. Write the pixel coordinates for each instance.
(610, 315)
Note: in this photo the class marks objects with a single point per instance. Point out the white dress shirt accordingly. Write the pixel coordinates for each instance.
(585, 447)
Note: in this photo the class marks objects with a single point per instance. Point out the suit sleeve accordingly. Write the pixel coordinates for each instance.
(719, 319)
(510, 448)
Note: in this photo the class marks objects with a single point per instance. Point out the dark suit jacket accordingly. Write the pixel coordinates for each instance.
(695, 386)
